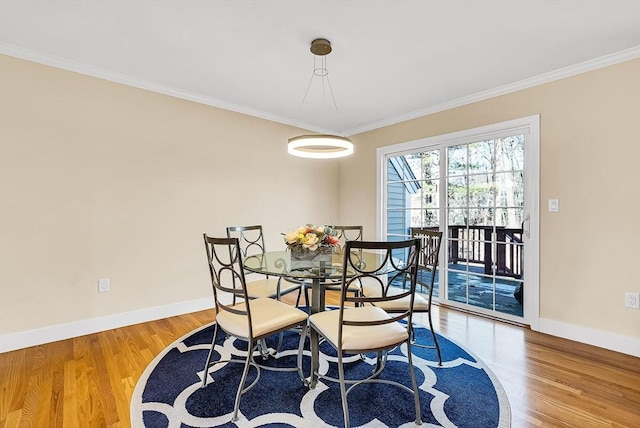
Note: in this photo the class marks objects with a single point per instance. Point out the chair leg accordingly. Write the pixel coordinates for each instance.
(299, 295)
(304, 290)
(245, 372)
(414, 384)
(307, 299)
(206, 365)
(343, 390)
(435, 340)
(280, 339)
(264, 350)
(303, 336)
(380, 363)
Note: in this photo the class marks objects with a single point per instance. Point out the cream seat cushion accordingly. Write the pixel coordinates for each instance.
(420, 304)
(337, 285)
(356, 338)
(268, 316)
(268, 287)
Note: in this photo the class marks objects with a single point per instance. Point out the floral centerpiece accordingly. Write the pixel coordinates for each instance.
(308, 242)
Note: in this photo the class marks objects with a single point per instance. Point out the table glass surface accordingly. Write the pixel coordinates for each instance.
(279, 263)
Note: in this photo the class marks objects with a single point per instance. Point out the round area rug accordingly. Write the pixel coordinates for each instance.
(463, 392)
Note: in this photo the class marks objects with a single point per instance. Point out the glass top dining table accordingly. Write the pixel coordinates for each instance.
(279, 263)
(318, 273)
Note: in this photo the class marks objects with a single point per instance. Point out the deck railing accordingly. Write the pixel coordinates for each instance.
(473, 244)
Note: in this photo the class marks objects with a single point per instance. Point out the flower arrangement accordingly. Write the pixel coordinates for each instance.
(310, 238)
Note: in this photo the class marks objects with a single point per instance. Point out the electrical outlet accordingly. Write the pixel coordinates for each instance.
(103, 285)
(632, 300)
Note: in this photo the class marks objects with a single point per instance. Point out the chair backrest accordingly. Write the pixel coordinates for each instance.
(250, 238)
(227, 272)
(348, 233)
(429, 255)
(397, 264)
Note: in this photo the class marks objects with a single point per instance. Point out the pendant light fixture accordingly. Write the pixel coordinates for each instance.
(320, 146)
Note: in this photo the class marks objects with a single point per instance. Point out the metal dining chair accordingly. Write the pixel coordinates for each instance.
(251, 240)
(365, 328)
(427, 268)
(251, 319)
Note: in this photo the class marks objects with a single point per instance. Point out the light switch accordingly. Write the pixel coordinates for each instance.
(553, 206)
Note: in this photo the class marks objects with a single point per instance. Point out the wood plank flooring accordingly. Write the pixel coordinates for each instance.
(551, 382)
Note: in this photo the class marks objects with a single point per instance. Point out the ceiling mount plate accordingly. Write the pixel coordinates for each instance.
(321, 47)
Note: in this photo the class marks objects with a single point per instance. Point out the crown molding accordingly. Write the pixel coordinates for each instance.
(583, 67)
(82, 68)
(112, 76)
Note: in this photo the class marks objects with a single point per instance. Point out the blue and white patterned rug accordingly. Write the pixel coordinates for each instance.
(461, 393)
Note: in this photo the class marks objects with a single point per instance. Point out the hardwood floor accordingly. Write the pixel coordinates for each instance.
(551, 382)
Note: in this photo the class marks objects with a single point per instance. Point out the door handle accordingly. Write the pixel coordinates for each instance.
(526, 232)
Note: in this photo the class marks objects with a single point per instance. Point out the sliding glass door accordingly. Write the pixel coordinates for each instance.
(480, 191)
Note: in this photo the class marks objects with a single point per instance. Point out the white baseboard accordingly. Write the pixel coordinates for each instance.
(10, 342)
(602, 339)
(24, 339)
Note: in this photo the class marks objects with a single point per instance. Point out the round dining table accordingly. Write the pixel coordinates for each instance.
(319, 274)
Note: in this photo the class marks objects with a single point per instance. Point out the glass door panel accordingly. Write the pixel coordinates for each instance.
(483, 210)
(485, 199)
(412, 195)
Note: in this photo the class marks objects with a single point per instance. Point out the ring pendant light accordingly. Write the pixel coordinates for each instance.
(320, 146)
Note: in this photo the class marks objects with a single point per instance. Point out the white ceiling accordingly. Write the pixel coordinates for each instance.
(392, 60)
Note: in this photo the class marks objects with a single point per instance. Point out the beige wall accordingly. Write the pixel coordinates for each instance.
(99, 179)
(590, 161)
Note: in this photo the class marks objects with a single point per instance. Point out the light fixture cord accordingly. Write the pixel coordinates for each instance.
(335, 105)
(323, 73)
(309, 85)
